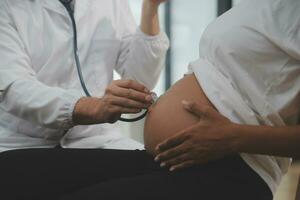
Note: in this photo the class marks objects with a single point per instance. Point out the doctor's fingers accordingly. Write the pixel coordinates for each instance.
(125, 103)
(118, 110)
(131, 84)
(130, 94)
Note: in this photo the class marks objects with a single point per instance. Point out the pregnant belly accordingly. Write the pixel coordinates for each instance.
(167, 116)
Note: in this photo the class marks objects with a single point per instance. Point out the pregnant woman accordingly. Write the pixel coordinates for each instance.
(248, 71)
(225, 131)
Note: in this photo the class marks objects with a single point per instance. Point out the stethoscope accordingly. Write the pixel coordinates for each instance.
(68, 6)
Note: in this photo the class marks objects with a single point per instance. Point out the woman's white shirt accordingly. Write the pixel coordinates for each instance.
(38, 76)
(249, 67)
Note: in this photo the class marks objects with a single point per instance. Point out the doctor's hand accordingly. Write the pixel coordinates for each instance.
(121, 97)
(209, 139)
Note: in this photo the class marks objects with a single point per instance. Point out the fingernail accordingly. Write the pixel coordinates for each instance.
(157, 148)
(149, 98)
(185, 102)
(156, 159)
(162, 164)
(172, 169)
(146, 90)
(150, 109)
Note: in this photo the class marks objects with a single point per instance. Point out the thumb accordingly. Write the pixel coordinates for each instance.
(194, 108)
(203, 111)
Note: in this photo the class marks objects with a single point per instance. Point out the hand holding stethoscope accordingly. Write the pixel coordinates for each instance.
(124, 97)
(121, 97)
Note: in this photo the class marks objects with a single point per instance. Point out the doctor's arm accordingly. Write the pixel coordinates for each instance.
(143, 49)
(25, 96)
(214, 136)
(150, 21)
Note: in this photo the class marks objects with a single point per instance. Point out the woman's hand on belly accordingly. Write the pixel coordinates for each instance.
(167, 116)
(209, 139)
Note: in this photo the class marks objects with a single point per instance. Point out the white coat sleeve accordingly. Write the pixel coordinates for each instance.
(22, 94)
(141, 56)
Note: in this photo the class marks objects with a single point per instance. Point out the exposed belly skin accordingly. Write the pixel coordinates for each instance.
(167, 116)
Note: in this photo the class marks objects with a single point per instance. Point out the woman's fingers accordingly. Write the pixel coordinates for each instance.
(176, 160)
(171, 153)
(183, 165)
(202, 111)
(197, 109)
(171, 142)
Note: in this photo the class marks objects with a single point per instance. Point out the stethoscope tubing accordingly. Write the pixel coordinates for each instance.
(78, 65)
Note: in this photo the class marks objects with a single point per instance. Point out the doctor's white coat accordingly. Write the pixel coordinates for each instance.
(38, 77)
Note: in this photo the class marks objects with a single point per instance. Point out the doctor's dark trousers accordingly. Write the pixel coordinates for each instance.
(73, 174)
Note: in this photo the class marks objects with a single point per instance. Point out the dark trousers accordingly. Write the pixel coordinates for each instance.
(95, 174)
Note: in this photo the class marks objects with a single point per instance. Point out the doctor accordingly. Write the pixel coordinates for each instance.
(41, 94)
(42, 104)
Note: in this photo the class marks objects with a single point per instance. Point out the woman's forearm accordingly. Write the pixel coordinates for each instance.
(277, 141)
(150, 20)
